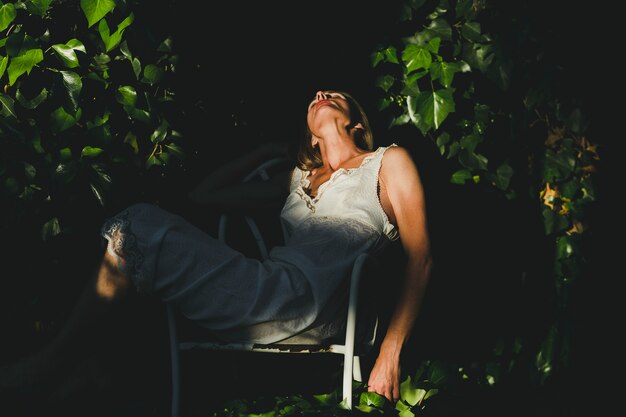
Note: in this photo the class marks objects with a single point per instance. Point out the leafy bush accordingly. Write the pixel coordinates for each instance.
(83, 104)
(514, 131)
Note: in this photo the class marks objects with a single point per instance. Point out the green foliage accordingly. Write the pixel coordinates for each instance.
(437, 86)
(431, 378)
(426, 88)
(79, 101)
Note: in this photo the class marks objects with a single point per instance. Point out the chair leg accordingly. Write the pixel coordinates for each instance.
(356, 369)
(175, 362)
(348, 361)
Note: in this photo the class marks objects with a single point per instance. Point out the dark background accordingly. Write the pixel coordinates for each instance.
(246, 72)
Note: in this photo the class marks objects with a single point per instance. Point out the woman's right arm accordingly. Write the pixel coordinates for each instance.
(224, 188)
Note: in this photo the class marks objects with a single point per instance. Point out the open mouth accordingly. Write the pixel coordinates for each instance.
(322, 102)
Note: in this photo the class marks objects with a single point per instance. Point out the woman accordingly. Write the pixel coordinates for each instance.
(343, 199)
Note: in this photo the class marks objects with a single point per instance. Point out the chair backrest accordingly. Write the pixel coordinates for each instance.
(262, 172)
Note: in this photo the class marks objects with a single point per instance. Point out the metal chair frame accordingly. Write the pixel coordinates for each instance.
(351, 361)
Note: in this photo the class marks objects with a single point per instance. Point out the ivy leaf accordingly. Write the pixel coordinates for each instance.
(112, 40)
(166, 45)
(588, 189)
(441, 28)
(152, 161)
(433, 107)
(410, 83)
(463, 7)
(152, 74)
(461, 176)
(442, 141)
(89, 151)
(160, 132)
(472, 160)
(372, 399)
(98, 120)
(138, 114)
(503, 176)
(454, 149)
(439, 372)
(402, 406)
(431, 392)
(383, 103)
(433, 45)
(558, 165)
(385, 82)
(35, 139)
(553, 223)
(7, 15)
(376, 58)
(366, 409)
(570, 189)
(7, 109)
(125, 51)
(175, 150)
(61, 120)
(471, 32)
(18, 42)
(391, 55)
(73, 86)
(478, 56)
(410, 393)
(24, 63)
(131, 140)
(565, 247)
(470, 141)
(95, 10)
(400, 120)
(50, 229)
(328, 399)
(136, 67)
(126, 95)
(416, 57)
(65, 154)
(104, 31)
(3, 65)
(38, 7)
(32, 103)
(444, 72)
(66, 52)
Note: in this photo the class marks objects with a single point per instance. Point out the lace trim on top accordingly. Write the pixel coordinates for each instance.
(123, 245)
(305, 183)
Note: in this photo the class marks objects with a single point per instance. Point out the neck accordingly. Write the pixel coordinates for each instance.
(336, 147)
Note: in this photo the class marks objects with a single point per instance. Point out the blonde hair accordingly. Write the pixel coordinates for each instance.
(309, 157)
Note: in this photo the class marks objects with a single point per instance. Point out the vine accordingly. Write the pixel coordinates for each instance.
(79, 102)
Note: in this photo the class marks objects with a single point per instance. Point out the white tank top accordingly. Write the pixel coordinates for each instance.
(325, 234)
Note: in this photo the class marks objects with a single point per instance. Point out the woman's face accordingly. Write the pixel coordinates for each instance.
(327, 106)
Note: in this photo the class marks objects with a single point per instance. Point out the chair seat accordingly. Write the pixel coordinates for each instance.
(325, 337)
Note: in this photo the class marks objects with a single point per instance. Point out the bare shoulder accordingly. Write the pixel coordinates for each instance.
(398, 160)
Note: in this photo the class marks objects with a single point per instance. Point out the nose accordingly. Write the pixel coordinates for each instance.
(321, 95)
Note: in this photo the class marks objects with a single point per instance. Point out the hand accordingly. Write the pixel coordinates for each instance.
(385, 377)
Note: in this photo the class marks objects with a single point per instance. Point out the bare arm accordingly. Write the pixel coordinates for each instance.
(223, 188)
(406, 195)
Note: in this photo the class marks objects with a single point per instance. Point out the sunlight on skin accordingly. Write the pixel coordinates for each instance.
(111, 281)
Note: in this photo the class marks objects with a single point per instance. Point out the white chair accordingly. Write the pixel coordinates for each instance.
(349, 346)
